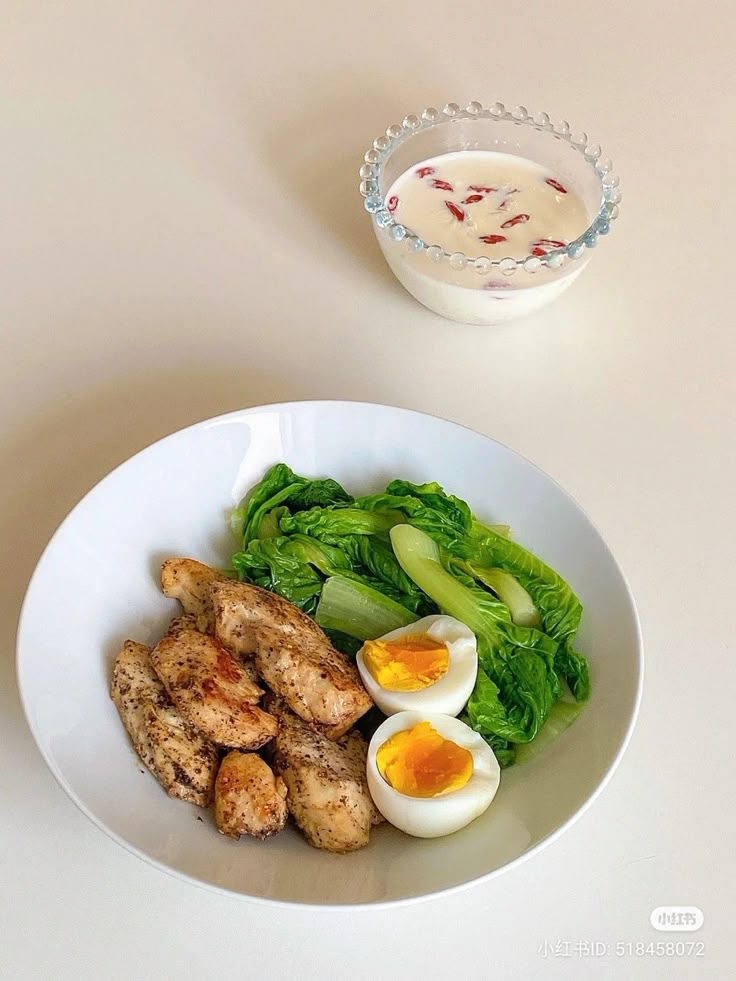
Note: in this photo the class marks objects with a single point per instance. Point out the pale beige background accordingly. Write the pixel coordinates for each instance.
(181, 235)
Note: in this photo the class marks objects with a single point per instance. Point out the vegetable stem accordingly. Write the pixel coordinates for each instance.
(359, 610)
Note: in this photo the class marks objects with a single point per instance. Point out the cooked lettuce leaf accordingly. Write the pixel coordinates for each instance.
(281, 566)
(358, 610)
(516, 683)
(510, 591)
(561, 716)
(269, 526)
(374, 559)
(559, 607)
(451, 525)
(297, 566)
(425, 506)
(364, 566)
(318, 493)
(281, 486)
(573, 667)
(333, 525)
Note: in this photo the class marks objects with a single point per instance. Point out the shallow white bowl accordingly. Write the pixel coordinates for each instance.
(97, 583)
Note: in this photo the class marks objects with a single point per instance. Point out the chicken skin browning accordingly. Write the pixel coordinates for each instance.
(249, 799)
(211, 690)
(189, 622)
(182, 760)
(327, 790)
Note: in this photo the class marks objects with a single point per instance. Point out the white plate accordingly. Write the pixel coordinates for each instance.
(97, 583)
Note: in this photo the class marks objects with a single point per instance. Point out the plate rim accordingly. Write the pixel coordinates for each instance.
(293, 903)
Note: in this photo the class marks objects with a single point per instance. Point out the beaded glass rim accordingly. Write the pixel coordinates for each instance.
(384, 146)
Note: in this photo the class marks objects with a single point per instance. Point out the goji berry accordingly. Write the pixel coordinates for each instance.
(516, 220)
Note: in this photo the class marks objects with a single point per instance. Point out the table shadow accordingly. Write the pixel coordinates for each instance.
(53, 461)
(315, 147)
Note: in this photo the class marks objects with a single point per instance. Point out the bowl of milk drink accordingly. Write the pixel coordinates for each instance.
(487, 214)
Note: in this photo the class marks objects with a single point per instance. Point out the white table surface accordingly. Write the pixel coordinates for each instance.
(181, 236)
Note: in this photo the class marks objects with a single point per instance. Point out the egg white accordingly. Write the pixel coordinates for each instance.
(432, 817)
(450, 694)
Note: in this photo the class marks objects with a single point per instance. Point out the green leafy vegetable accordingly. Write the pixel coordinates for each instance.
(503, 530)
(377, 563)
(559, 607)
(574, 669)
(450, 524)
(269, 526)
(358, 610)
(561, 716)
(272, 564)
(318, 493)
(281, 486)
(364, 566)
(520, 604)
(516, 683)
(291, 547)
(334, 525)
(426, 506)
(504, 751)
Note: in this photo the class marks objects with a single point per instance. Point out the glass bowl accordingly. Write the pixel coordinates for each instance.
(477, 289)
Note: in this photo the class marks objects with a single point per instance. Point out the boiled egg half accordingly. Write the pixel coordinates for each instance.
(428, 666)
(430, 774)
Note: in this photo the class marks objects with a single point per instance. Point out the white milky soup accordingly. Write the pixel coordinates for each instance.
(480, 202)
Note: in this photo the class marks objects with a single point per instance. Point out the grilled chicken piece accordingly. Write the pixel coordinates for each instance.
(182, 760)
(292, 655)
(211, 690)
(249, 799)
(327, 789)
(243, 611)
(189, 581)
(189, 622)
(317, 681)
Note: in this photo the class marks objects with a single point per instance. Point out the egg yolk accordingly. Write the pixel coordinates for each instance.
(408, 663)
(419, 762)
